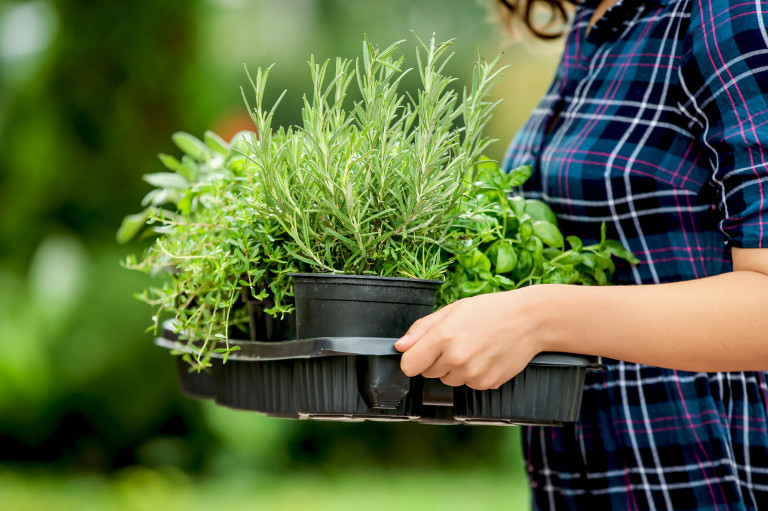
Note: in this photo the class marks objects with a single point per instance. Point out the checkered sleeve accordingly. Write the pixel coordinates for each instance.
(725, 79)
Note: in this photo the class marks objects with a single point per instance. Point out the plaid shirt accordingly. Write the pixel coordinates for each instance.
(657, 124)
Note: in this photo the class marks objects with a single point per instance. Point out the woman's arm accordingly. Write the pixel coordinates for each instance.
(716, 323)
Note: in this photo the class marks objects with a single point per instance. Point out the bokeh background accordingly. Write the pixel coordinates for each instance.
(90, 412)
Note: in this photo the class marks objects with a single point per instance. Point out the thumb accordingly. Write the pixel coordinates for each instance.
(420, 328)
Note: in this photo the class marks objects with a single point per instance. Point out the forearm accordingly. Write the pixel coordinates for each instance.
(717, 323)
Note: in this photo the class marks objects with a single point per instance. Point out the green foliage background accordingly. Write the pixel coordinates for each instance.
(90, 92)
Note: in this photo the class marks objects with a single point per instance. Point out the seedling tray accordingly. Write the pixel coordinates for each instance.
(194, 384)
(359, 378)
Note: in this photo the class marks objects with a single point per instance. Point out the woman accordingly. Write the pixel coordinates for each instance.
(657, 124)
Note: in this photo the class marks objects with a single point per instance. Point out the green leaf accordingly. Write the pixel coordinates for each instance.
(506, 259)
(539, 211)
(475, 260)
(603, 261)
(534, 245)
(238, 163)
(170, 162)
(575, 243)
(486, 166)
(166, 180)
(131, 225)
(560, 275)
(191, 146)
(519, 175)
(600, 277)
(185, 204)
(524, 265)
(484, 275)
(190, 167)
(473, 288)
(549, 233)
(216, 143)
(525, 231)
(617, 249)
(573, 258)
(518, 205)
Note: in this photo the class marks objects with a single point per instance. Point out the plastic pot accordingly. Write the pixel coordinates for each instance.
(330, 305)
(197, 385)
(362, 306)
(194, 384)
(264, 327)
(267, 386)
(547, 392)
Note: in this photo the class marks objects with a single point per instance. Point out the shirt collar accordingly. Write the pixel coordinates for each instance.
(613, 20)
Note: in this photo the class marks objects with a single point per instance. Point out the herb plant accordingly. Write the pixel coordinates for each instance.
(217, 252)
(391, 184)
(501, 243)
(186, 183)
(372, 186)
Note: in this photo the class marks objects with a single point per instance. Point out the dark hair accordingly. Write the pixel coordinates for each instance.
(542, 26)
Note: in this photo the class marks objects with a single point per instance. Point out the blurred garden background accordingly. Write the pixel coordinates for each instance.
(90, 412)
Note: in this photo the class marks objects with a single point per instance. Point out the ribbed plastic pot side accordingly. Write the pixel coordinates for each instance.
(267, 386)
(329, 305)
(540, 395)
(193, 384)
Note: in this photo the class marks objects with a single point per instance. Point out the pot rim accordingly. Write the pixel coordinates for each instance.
(363, 277)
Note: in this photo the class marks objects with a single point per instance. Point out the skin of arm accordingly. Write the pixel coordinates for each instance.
(717, 323)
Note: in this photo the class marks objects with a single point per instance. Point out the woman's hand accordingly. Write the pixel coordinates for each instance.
(481, 342)
(710, 324)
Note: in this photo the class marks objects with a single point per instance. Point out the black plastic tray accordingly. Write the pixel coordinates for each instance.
(194, 384)
(359, 378)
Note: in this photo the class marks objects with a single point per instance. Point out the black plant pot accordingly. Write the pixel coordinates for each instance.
(194, 384)
(357, 306)
(242, 384)
(262, 386)
(330, 305)
(547, 392)
(342, 388)
(264, 327)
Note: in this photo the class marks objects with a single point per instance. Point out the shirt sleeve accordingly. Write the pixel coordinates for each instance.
(725, 80)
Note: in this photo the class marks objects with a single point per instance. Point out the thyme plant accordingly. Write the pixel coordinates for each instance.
(372, 186)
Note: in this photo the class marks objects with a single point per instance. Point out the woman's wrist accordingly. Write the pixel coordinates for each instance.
(552, 309)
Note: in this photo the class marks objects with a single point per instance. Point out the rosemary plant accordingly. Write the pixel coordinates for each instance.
(372, 186)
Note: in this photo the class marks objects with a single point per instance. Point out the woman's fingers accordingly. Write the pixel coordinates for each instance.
(480, 342)
(420, 328)
(436, 370)
(453, 380)
(422, 356)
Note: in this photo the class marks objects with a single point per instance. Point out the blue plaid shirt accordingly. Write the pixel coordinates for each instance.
(657, 124)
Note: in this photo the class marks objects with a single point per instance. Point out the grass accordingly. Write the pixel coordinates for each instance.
(139, 489)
